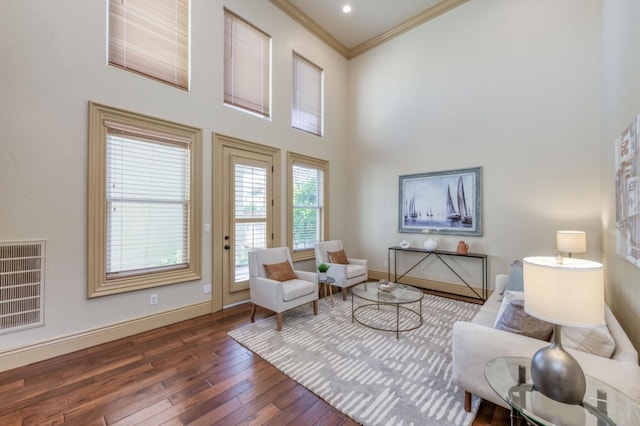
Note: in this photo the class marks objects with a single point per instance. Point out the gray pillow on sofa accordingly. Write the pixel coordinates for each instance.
(515, 320)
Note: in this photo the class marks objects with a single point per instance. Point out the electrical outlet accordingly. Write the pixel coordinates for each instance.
(206, 288)
(153, 299)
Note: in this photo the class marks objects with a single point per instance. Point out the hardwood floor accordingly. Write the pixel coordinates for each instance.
(186, 373)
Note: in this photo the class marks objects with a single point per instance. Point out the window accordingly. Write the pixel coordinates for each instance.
(151, 37)
(308, 205)
(247, 52)
(144, 201)
(306, 112)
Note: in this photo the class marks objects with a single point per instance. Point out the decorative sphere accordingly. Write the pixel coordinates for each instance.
(430, 244)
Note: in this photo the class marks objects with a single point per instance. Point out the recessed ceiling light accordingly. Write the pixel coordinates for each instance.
(346, 8)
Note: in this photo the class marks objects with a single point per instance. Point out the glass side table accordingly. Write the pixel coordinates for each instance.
(603, 405)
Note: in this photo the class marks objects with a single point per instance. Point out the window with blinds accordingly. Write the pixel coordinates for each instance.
(147, 203)
(247, 57)
(151, 37)
(144, 201)
(306, 112)
(308, 206)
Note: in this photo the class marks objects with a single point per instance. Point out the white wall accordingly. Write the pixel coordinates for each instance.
(620, 104)
(54, 62)
(511, 86)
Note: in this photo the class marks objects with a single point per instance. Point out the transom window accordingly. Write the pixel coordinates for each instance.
(151, 37)
(247, 59)
(306, 112)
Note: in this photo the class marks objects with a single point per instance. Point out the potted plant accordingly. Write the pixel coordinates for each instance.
(322, 271)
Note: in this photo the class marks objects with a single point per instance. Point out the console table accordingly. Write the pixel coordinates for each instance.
(442, 256)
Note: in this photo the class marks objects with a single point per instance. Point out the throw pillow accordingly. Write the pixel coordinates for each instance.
(506, 299)
(280, 271)
(596, 340)
(515, 320)
(339, 257)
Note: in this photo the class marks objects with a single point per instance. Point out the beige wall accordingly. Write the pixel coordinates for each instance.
(508, 86)
(54, 62)
(620, 103)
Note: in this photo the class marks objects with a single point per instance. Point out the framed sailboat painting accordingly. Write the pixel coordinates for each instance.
(447, 202)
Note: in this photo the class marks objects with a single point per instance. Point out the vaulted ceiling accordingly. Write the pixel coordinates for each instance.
(369, 24)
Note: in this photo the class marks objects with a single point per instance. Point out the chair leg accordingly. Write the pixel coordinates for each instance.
(279, 321)
(315, 307)
(344, 293)
(253, 312)
(467, 401)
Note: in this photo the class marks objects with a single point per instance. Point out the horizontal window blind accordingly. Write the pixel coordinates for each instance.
(247, 56)
(148, 205)
(308, 206)
(151, 37)
(306, 113)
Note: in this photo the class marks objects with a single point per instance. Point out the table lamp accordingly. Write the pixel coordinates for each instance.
(569, 293)
(571, 242)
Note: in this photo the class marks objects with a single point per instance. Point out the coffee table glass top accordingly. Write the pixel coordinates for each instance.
(602, 404)
(402, 293)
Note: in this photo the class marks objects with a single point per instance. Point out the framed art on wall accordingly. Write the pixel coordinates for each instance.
(447, 202)
(627, 163)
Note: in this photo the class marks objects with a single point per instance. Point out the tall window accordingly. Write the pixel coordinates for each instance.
(151, 37)
(308, 205)
(144, 201)
(247, 55)
(306, 113)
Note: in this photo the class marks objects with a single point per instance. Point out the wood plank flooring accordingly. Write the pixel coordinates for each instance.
(186, 373)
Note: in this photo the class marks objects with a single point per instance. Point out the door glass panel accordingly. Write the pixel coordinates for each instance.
(250, 221)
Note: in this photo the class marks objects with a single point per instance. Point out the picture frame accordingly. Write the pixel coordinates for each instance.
(446, 202)
(627, 168)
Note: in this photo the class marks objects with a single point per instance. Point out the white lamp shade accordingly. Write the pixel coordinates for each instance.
(571, 241)
(571, 293)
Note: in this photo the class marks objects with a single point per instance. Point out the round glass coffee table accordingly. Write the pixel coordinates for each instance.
(401, 300)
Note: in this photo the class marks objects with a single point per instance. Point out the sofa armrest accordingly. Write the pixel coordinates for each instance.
(361, 262)
(307, 276)
(266, 293)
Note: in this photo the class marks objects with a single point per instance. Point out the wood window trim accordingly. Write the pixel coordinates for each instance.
(97, 283)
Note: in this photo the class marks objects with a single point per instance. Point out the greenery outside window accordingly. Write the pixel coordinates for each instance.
(144, 201)
(307, 199)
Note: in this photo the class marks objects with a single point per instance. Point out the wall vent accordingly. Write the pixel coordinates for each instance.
(21, 285)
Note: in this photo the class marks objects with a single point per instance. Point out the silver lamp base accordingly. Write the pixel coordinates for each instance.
(556, 374)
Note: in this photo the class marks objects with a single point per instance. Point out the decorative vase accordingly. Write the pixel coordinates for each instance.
(430, 244)
(463, 248)
(405, 244)
(322, 276)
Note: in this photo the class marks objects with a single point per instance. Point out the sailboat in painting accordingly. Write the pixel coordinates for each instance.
(452, 214)
(465, 216)
(412, 208)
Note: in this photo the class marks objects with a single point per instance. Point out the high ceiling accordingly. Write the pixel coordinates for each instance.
(369, 23)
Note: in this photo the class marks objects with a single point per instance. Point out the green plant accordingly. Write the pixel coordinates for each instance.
(323, 267)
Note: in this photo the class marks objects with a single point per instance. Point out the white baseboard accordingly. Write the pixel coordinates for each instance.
(28, 354)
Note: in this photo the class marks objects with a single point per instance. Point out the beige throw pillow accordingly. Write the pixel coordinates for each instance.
(339, 257)
(596, 340)
(280, 271)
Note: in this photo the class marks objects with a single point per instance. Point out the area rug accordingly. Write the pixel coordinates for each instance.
(370, 375)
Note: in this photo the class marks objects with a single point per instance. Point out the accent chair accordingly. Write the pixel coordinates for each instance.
(346, 275)
(295, 289)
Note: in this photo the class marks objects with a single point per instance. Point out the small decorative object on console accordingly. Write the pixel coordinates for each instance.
(405, 244)
(385, 285)
(429, 244)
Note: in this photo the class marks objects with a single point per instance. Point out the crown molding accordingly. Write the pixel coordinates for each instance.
(303, 19)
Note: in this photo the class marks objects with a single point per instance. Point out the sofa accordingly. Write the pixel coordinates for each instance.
(476, 343)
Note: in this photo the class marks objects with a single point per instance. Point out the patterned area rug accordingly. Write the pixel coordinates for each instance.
(367, 374)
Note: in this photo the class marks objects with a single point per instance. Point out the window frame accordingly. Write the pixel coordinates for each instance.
(156, 68)
(242, 104)
(295, 91)
(316, 163)
(97, 282)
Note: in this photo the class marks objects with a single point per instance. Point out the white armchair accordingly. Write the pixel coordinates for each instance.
(348, 275)
(275, 295)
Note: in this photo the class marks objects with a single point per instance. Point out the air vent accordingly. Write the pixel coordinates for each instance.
(21, 285)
